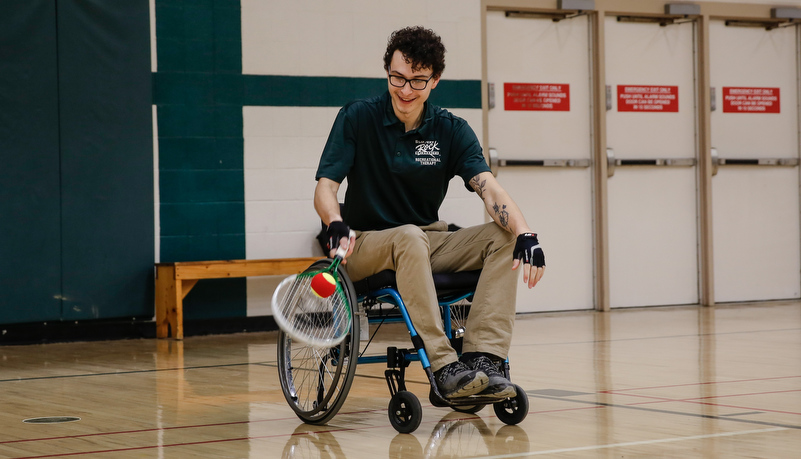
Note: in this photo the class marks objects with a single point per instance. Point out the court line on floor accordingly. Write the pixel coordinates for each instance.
(680, 413)
(130, 372)
(223, 424)
(633, 443)
(648, 338)
(594, 405)
(700, 401)
(140, 431)
(746, 395)
(200, 442)
(331, 429)
(775, 427)
(668, 386)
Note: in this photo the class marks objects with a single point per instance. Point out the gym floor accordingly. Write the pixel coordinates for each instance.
(680, 382)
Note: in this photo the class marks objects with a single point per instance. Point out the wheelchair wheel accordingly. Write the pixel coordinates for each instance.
(469, 409)
(405, 412)
(315, 382)
(512, 411)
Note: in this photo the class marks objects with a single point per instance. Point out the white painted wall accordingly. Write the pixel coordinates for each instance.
(283, 144)
(348, 37)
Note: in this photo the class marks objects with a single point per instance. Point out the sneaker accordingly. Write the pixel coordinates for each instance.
(498, 385)
(457, 380)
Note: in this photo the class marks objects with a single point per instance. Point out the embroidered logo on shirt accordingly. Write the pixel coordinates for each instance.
(426, 152)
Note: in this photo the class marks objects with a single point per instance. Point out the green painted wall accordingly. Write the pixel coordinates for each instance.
(201, 148)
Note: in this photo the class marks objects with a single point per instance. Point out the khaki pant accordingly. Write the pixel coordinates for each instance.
(414, 253)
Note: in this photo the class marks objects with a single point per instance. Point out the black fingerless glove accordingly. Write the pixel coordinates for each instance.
(528, 250)
(336, 231)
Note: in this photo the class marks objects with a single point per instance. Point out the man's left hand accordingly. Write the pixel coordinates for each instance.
(528, 251)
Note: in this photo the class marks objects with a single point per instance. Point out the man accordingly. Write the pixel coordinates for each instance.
(399, 153)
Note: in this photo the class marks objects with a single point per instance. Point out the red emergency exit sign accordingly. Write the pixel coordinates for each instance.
(536, 96)
(751, 100)
(631, 98)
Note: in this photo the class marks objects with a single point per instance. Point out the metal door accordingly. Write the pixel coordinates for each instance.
(539, 127)
(653, 235)
(755, 134)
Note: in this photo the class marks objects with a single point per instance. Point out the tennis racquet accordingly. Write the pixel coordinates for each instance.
(321, 322)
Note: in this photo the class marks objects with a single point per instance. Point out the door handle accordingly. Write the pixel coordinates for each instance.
(496, 162)
(612, 162)
(776, 162)
(779, 162)
(544, 162)
(663, 162)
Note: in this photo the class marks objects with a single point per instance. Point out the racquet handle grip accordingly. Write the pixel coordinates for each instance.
(343, 249)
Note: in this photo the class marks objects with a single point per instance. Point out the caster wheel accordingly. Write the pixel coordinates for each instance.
(405, 412)
(512, 411)
(470, 409)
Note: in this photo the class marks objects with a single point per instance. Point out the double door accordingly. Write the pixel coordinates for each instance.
(541, 135)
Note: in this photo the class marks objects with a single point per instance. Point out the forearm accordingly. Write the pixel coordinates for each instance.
(325, 201)
(506, 214)
(500, 206)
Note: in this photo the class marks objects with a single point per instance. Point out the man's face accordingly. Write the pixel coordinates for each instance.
(407, 102)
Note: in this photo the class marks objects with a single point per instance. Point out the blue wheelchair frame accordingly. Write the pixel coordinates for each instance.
(391, 296)
(398, 359)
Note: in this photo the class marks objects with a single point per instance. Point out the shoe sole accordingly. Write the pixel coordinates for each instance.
(473, 387)
(506, 392)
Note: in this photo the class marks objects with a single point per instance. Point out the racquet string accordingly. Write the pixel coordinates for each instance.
(311, 318)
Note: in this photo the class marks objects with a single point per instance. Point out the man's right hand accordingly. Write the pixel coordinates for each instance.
(339, 233)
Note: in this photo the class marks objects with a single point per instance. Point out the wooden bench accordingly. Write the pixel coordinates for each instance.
(175, 280)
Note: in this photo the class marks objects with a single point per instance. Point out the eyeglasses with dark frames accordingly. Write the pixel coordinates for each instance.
(418, 84)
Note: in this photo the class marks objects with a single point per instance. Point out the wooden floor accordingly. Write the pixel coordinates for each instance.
(679, 382)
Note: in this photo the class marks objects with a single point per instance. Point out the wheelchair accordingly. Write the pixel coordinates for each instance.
(316, 382)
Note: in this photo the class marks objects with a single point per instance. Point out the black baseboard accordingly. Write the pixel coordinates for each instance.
(124, 328)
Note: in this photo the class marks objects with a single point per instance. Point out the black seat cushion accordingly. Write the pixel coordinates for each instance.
(444, 282)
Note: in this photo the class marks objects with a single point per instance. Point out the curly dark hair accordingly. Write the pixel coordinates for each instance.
(421, 47)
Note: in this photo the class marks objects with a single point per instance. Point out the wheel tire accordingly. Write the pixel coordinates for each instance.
(405, 412)
(470, 409)
(512, 411)
(316, 400)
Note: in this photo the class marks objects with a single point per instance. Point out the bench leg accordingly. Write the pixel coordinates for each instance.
(169, 304)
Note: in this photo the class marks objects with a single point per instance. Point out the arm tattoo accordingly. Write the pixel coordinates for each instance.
(503, 215)
(479, 186)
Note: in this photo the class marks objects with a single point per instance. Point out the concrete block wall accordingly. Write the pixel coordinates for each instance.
(238, 148)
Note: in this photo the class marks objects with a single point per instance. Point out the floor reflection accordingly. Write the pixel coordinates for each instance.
(461, 435)
(308, 441)
(456, 435)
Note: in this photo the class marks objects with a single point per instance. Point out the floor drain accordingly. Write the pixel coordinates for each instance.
(52, 420)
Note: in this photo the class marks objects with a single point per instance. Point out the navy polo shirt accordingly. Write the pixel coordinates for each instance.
(396, 177)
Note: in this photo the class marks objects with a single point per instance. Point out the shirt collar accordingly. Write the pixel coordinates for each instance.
(390, 118)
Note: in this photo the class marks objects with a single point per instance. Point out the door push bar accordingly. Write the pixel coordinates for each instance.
(612, 162)
(496, 162)
(777, 162)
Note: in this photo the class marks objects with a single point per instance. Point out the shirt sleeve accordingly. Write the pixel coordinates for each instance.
(339, 151)
(471, 158)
